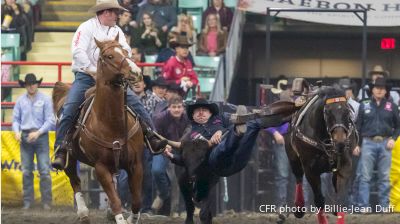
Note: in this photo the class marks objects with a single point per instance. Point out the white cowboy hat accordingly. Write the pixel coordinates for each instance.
(105, 4)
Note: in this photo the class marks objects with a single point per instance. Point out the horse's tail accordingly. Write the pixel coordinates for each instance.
(59, 95)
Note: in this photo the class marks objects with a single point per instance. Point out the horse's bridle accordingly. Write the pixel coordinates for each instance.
(121, 81)
(347, 127)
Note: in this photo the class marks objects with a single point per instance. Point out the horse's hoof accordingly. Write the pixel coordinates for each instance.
(84, 220)
(299, 214)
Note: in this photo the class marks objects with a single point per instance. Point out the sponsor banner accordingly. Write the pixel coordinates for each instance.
(383, 13)
(395, 177)
(11, 175)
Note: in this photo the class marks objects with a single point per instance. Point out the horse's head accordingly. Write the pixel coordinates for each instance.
(115, 66)
(337, 116)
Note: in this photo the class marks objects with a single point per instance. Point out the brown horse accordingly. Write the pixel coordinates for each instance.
(110, 138)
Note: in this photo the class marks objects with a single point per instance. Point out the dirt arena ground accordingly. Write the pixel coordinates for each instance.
(68, 216)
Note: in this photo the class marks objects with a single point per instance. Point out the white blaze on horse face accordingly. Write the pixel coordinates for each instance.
(134, 67)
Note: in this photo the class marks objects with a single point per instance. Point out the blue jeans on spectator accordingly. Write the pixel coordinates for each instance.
(75, 98)
(123, 189)
(282, 171)
(28, 150)
(160, 177)
(147, 197)
(374, 153)
(234, 152)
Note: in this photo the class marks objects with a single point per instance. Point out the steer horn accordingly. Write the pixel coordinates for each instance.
(174, 144)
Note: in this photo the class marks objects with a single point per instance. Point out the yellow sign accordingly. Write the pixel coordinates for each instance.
(11, 175)
(395, 177)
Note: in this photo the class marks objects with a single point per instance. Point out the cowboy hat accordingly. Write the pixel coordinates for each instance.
(105, 4)
(379, 82)
(30, 79)
(202, 103)
(345, 84)
(378, 69)
(180, 41)
(160, 81)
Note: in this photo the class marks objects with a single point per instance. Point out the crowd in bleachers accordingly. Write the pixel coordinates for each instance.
(20, 17)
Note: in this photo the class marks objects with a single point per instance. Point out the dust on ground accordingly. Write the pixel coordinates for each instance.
(68, 216)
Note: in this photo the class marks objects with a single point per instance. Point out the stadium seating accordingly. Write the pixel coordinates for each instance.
(150, 58)
(193, 4)
(230, 3)
(206, 68)
(11, 41)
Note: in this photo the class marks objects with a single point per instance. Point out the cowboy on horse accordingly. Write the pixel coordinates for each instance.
(84, 65)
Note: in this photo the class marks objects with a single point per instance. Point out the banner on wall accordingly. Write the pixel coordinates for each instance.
(383, 13)
(11, 175)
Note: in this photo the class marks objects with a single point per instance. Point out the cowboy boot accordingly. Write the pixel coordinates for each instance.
(60, 157)
(155, 144)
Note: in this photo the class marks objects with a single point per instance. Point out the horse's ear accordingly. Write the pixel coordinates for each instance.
(117, 37)
(98, 43)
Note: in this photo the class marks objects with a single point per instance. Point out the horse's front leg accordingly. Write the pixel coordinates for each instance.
(105, 178)
(135, 175)
(71, 171)
(340, 180)
(297, 169)
(315, 181)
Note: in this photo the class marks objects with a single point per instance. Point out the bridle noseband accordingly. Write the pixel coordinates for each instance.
(120, 81)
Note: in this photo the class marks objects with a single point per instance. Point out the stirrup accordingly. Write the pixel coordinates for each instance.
(146, 140)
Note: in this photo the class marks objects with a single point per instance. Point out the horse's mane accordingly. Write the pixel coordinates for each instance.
(326, 92)
(59, 95)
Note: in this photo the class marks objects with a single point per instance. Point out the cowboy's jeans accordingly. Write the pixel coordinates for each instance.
(374, 153)
(28, 150)
(160, 177)
(281, 164)
(234, 152)
(75, 98)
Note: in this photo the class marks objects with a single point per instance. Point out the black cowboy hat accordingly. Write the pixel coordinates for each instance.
(202, 103)
(180, 41)
(378, 69)
(160, 81)
(379, 82)
(346, 83)
(30, 79)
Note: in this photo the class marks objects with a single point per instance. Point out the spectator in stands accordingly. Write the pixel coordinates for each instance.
(84, 65)
(179, 69)
(149, 38)
(148, 99)
(170, 123)
(173, 90)
(163, 13)
(12, 15)
(376, 72)
(348, 87)
(32, 120)
(123, 22)
(378, 123)
(212, 39)
(225, 14)
(168, 52)
(159, 87)
(132, 6)
(138, 57)
(185, 27)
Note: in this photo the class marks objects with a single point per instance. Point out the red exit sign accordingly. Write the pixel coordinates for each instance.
(388, 43)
